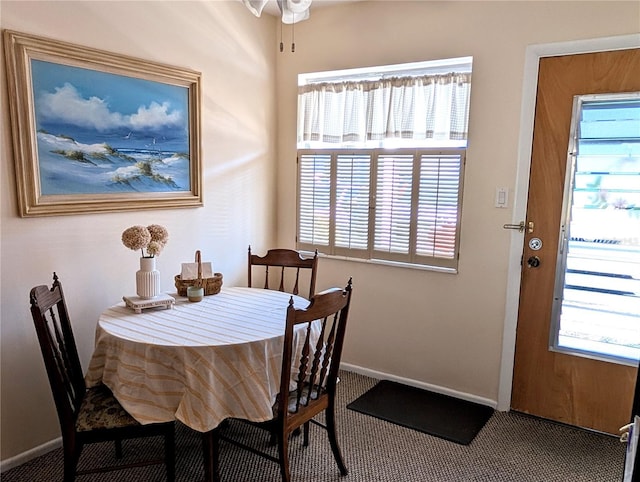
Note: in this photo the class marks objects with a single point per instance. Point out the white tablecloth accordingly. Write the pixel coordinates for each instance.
(198, 362)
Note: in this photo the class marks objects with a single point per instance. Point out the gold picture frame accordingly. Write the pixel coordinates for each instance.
(95, 131)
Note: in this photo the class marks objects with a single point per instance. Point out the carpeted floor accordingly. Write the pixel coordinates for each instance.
(510, 447)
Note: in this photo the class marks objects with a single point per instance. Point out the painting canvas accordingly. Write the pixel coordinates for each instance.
(96, 132)
(99, 133)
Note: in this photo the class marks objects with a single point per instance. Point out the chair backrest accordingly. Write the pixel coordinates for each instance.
(285, 261)
(51, 319)
(315, 364)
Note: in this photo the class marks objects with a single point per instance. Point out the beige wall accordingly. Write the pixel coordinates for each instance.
(433, 328)
(236, 54)
(429, 328)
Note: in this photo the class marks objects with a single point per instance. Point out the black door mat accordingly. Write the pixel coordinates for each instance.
(440, 415)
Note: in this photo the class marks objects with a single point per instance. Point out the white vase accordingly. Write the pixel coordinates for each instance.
(148, 279)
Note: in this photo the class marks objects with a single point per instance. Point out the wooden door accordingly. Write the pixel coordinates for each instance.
(575, 390)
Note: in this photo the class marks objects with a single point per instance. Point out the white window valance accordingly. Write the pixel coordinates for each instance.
(351, 112)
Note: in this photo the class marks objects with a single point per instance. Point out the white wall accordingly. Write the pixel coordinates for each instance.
(434, 329)
(236, 54)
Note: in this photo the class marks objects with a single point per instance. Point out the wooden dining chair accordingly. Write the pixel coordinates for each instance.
(315, 374)
(284, 261)
(85, 415)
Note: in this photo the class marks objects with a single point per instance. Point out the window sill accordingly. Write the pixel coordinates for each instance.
(384, 262)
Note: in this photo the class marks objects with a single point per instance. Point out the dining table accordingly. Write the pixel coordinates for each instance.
(196, 362)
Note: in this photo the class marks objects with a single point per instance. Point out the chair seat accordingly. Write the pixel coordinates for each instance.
(100, 410)
(293, 400)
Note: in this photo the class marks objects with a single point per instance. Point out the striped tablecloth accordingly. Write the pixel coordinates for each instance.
(198, 362)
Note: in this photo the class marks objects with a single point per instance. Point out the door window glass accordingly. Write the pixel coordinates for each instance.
(597, 294)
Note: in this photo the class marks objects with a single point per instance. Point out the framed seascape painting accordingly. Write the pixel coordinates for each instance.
(95, 131)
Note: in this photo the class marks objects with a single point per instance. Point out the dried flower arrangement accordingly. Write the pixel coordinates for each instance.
(153, 238)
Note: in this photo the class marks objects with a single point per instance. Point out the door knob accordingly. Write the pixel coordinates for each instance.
(520, 226)
(533, 262)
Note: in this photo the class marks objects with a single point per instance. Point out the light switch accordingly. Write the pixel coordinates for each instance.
(502, 197)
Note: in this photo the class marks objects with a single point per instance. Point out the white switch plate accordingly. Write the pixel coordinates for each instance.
(502, 197)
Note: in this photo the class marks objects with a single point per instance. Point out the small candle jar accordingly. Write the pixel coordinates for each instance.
(195, 293)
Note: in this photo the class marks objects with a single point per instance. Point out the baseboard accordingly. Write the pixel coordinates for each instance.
(414, 383)
(30, 454)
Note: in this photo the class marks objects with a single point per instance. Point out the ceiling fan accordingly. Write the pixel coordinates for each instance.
(291, 11)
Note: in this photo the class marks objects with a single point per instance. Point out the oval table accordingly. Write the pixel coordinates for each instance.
(199, 363)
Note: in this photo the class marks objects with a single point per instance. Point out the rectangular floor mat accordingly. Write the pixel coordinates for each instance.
(440, 415)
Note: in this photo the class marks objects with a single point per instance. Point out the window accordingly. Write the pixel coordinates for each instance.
(597, 292)
(381, 156)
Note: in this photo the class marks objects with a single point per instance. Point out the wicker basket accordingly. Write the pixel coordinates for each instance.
(211, 285)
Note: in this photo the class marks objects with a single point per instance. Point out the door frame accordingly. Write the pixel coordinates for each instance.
(521, 187)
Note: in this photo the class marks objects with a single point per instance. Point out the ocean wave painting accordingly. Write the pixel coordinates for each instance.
(101, 133)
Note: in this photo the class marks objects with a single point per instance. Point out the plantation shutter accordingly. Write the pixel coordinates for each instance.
(438, 212)
(353, 178)
(393, 206)
(402, 206)
(314, 200)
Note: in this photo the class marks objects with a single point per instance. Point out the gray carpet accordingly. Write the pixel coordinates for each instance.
(510, 447)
